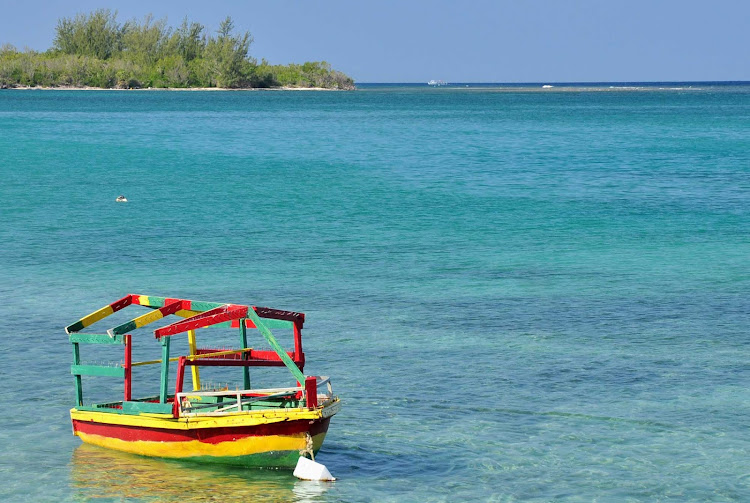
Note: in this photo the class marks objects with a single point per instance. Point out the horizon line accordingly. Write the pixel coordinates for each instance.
(569, 82)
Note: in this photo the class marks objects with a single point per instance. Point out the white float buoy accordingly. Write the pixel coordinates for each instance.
(310, 470)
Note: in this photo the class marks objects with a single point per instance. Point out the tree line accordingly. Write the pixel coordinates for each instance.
(98, 51)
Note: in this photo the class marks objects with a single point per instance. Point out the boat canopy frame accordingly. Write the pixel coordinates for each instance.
(195, 315)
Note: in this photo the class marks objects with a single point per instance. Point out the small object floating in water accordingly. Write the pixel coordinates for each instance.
(121, 199)
(270, 427)
(310, 470)
(547, 86)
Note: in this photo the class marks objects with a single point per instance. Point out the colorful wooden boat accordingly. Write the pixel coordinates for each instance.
(269, 427)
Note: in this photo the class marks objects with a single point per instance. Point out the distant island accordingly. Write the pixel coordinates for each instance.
(96, 51)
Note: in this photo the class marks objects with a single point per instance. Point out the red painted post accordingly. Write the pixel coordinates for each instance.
(128, 367)
(299, 356)
(178, 386)
(297, 341)
(311, 392)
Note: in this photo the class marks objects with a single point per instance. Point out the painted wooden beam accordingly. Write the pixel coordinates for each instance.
(192, 345)
(202, 306)
(311, 392)
(99, 314)
(149, 301)
(278, 314)
(220, 362)
(146, 408)
(143, 320)
(164, 369)
(97, 370)
(243, 345)
(79, 385)
(128, 360)
(299, 355)
(212, 317)
(193, 305)
(95, 339)
(253, 354)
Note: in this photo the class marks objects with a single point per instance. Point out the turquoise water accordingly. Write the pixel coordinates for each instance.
(519, 296)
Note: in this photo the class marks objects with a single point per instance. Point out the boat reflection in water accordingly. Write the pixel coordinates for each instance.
(99, 474)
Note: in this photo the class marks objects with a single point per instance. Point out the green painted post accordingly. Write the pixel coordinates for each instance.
(164, 369)
(243, 345)
(79, 385)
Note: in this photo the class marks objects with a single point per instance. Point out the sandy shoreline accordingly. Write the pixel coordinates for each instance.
(499, 89)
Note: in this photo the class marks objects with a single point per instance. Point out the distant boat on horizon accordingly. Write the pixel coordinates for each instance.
(437, 83)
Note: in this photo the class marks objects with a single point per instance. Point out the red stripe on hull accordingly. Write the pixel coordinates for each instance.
(206, 435)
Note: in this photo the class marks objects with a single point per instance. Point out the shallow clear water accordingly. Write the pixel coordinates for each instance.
(520, 296)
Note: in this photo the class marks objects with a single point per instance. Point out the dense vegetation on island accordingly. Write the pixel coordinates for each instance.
(95, 50)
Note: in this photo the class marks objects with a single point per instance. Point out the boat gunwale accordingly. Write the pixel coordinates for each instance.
(244, 418)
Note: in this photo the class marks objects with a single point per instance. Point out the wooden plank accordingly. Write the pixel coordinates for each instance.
(233, 354)
(208, 318)
(201, 306)
(311, 392)
(99, 314)
(192, 344)
(243, 344)
(186, 313)
(260, 357)
(149, 300)
(278, 314)
(97, 370)
(211, 353)
(96, 339)
(145, 319)
(95, 408)
(128, 359)
(299, 355)
(146, 408)
(217, 362)
(164, 369)
(268, 355)
(79, 384)
(193, 305)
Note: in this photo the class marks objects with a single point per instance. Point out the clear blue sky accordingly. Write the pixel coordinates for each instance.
(456, 41)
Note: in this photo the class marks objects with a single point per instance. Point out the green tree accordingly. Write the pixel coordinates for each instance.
(97, 34)
(145, 43)
(189, 40)
(230, 52)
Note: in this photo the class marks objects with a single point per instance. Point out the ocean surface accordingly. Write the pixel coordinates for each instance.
(519, 294)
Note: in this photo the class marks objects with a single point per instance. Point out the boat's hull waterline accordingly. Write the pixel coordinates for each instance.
(241, 439)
